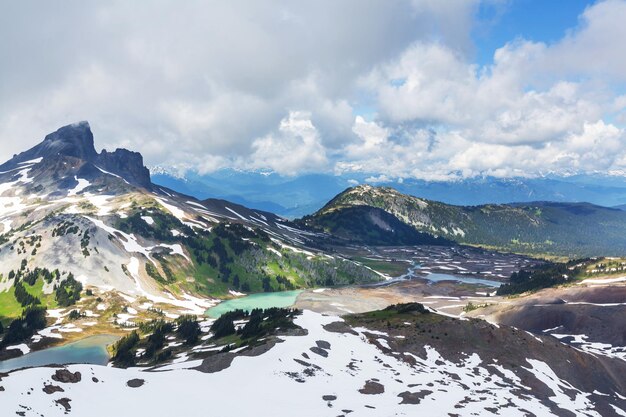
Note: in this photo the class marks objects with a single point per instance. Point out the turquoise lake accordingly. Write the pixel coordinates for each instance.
(252, 301)
(91, 350)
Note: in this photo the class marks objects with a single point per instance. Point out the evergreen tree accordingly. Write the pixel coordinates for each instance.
(188, 329)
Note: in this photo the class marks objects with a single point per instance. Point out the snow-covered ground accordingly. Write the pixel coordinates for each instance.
(581, 341)
(292, 379)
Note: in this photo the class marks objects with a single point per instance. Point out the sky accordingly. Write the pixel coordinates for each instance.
(427, 89)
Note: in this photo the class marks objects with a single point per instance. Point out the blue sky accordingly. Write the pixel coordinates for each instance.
(500, 22)
(427, 89)
(536, 20)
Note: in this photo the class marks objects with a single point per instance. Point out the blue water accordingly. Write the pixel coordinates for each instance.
(436, 277)
(252, 301)
(90, 350)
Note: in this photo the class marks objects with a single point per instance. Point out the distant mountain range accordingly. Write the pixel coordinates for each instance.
(294, 197)
(550, 228)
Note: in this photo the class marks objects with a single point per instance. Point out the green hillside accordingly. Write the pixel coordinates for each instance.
(371, 226)
(233, 256)
(559, 229)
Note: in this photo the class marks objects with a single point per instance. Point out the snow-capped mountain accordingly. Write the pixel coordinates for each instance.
(296, 196)
(395, 362)
(64, 206)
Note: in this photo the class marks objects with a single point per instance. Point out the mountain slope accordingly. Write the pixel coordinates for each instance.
(404, 360)
(371, 226)
(564, 229)
(97, 216)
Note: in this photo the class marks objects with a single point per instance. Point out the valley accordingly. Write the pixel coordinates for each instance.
(313, 208)
(379, 301)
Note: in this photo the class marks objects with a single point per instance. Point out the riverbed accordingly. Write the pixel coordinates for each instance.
(438, 277)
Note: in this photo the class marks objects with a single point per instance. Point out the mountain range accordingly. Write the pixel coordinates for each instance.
(297, 196)
(91, 246)
(63, 206)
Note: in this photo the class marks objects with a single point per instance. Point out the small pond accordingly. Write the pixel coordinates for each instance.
(90, 350)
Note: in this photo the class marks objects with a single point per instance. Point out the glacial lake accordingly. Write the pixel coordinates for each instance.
(90, 350)
(252, 301)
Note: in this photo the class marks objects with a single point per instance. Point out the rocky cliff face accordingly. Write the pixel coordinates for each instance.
(75, 140)
(70, 152)
(127, 164)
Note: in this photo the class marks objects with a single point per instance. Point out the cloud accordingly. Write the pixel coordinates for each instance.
(599, 147)
(594, 47)
(178, 80)
(494, 104)
(530, 112)
(385, 88)
(294, 148)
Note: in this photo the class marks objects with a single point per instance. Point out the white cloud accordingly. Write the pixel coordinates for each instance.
(278, 85)
(184, 81)
(493, 105)
(596, 46)
(378, 179)
(530, 112)
(447, 155)
(294, 148)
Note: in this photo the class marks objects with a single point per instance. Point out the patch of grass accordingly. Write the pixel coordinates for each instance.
(396, 311)
(9, 307)
(229, 340)
(206, 281)
(36, 290)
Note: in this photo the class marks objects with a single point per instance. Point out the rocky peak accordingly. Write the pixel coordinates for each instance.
(126, 164)
(75, 140)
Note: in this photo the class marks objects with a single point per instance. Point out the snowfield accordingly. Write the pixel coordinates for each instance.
(342, 372)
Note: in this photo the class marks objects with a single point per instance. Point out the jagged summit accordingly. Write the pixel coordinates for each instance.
(76, 142)
(127, 164)
(72, 140)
